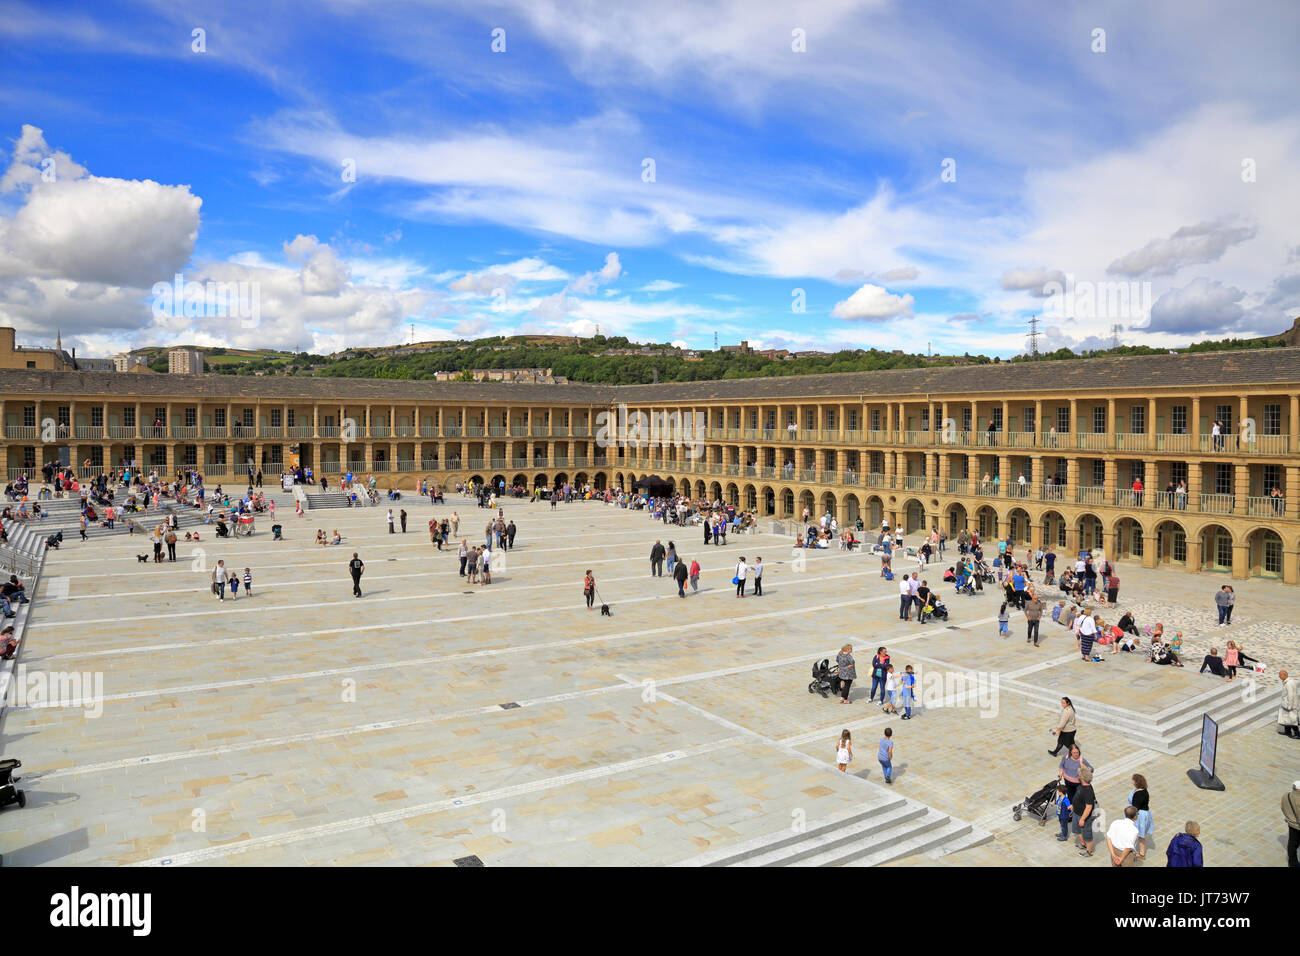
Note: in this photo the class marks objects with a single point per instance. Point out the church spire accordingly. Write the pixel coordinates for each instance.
(58, 339)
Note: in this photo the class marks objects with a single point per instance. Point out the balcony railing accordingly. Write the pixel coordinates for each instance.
(1267, 445)
(1090, 494)
(1216, 504)
(451, 431)
(1091, 441)
(428, 431)
(1128, 498)
(876, 480)
(498, 431)
(127, 431)
(300, 431)
(269, 431)
(88, 431)
(1131, 441)
(153, 431)
(474, 431)
(1266, 507)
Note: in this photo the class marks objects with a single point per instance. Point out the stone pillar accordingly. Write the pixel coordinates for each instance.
(1111, 482)
(1112, 427)
(1290, 565)
(1038, 420)
(1194, 426)
(1151, 424)
(1193, 553)
(1148, 549)
(1293, 446)
(1292, 491)
(1240, 559)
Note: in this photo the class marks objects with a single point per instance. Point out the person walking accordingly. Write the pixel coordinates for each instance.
(1066, 728)
(248, 581)
(403, 520)
(758, 577)
(589, 588)
(1223, 602)
(171, 545)
(1033, 616)
(1004, 621)
(680, 574)
(355, 567)
(847, 669)
(695, 575)
(463, 555)
(1291, 814)
(891, 691)
(657, 560)
(1122, 838)
(844, 751)
(742, 573)
(390, 521)
(672, 557)
(1084, 801)
(1140, 800)
(886, 755)
(219, 580)
(1184, 849)
(1288, 714)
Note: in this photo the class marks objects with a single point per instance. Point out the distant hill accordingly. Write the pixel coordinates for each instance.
(613, 360)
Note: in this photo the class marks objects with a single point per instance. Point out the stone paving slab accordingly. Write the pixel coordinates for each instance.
(310, 727)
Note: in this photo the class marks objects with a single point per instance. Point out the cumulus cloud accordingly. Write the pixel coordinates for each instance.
(1190, 245)
(1202, 306)
(1033, 281)
(589, 282)
(871, 303)
(323, 272)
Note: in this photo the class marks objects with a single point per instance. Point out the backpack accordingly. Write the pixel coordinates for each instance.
(889, 575)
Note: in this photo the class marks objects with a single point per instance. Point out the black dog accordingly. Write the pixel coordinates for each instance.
(142, 558)
(604, 610)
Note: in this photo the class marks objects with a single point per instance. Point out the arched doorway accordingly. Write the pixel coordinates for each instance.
(913, 516)
(700, 490)
(1053, 528)
(1216, 548)
(601, 481)
(1127, 538)
(1264, 546)
(1171, 543)
(852, 511)
(787, 503)
(958, 520)
(1018, 527)
(1091, 536)
(986, 523)
(751, 498)
(827, 506)
(732, 495)
(875, 512)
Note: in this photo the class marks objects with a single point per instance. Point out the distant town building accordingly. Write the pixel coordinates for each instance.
(528, 376)
(184, 361)
(45, 359)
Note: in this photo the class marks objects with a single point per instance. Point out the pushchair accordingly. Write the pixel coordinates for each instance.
(826, 680)
(277, 532)
(983, 572)
(938, 610)
(8, 792)
(1037, 804)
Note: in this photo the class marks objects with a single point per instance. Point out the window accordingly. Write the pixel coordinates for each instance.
(248, 421)
(219, 418)
(1272, 423)
(1272, 478)
(997, 418)
(292, 418)
(1178, 472)
(1272, 557)
(1063, 419)
(1137, 472)
(128, 453)
(97, 417)
(128, 418)
(191, 454)
(1099, 419)
(160, 414)
(1098, 472)
(31, 365)
(875, 419)
(29, 456)
(63, 415)
(29, 416)
(1178, 551)
(191, 418)
(965, 419)
(877, 462)
(853, 420)
(1030, 418)
(276, 418)
(925, 419)
(217, 455)
(1178, 420)
(1223, 479)
(1136, 547)
(96, 457)
(1138, 420)
(1223, 413)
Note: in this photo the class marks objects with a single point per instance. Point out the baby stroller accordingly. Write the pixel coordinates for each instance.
(826, 679)
(939, 610)
(1037, 804)
(277, 532)
(8, 792)
(983, 572)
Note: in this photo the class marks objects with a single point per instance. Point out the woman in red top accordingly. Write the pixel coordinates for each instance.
(589, 588)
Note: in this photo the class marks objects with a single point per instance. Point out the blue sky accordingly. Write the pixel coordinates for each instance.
(908, 174)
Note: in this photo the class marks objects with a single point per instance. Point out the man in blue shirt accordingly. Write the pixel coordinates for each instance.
(1018, 586)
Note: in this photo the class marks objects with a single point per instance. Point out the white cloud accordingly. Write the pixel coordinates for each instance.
(660, 285)
(1033, 281)
(323, 272)
(1203, 305)
(871, 303)
(1190, 245)
(589, 282)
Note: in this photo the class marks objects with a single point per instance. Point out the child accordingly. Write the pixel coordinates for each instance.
(248, 581)
(234, 586)
(909, 691)
(844, 751)
(1063, 811)
(886, 755)
(891, 691)
(1004, 621)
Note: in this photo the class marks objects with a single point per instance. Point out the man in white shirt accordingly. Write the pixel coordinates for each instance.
(904, 598)
(742, 570)
(1122, 836)
(913, 591)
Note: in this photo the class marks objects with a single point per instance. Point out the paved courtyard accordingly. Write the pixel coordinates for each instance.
(431, 720)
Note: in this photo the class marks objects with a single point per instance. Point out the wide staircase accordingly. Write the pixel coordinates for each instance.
(1233, 706)
(892, 829)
